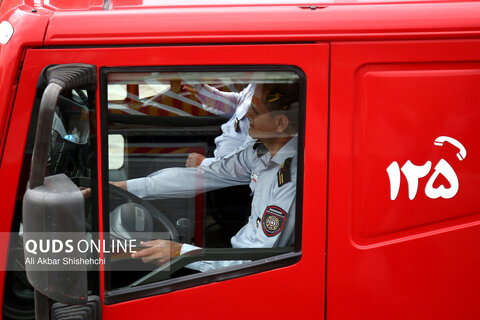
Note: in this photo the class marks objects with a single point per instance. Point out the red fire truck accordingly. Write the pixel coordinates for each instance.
(384, 215)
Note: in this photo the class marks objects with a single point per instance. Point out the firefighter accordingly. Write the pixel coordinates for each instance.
(268, 165)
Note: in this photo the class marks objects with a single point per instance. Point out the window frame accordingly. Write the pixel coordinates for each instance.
(117, 295)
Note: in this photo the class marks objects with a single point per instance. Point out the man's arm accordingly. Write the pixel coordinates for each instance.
(187, 182)
(160, 252)
(213, 100)
(234, 135)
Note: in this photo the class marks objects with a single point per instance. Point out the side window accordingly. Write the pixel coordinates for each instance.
(203, 169)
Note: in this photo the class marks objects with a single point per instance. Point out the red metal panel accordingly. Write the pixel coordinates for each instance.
(402, 243)
(126, 4)
(29, 30)
(289, 290)
(72, 5)
(264, 24)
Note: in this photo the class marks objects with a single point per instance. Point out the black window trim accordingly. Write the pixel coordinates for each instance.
(113, 296)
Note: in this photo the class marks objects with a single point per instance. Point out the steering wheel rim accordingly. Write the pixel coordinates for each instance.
(164, 221)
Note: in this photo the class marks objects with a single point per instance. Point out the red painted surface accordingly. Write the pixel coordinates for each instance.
(230, 295)
(29, 30)
(386, 81)
(403, 258)
(265, 24)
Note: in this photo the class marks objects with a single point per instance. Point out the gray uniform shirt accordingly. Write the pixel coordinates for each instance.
(234, 135)
(273, 185)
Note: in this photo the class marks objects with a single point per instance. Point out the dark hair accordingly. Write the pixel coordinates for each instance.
(283, 97)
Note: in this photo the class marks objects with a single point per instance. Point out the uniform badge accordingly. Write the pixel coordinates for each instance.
(254, 177)
(273, 220)
(283, 174)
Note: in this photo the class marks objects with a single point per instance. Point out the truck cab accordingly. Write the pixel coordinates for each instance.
(381, 219)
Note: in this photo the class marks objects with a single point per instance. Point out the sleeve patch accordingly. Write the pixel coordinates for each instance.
(273, 220)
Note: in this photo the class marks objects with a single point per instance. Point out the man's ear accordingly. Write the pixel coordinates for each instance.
(281, 121)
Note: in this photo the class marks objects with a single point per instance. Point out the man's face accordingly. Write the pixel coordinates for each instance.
(262, 121)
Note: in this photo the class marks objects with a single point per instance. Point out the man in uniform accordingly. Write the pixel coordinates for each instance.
(234, 135)
(269, 166)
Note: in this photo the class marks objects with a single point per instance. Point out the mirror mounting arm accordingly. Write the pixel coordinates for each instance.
(43, 136)
(59, 78)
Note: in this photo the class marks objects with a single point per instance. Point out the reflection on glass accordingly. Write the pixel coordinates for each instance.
(209, 159)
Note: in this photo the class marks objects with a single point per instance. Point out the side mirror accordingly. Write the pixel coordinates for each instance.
(53, 207)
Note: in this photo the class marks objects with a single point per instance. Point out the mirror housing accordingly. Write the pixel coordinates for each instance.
(55, 211)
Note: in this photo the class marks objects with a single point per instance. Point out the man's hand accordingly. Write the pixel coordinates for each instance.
(158, 251)
(120, 184)
(87, 192)
(194, 160)
(188, 88)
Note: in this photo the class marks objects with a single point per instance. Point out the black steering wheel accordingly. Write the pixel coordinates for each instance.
(127, 212)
